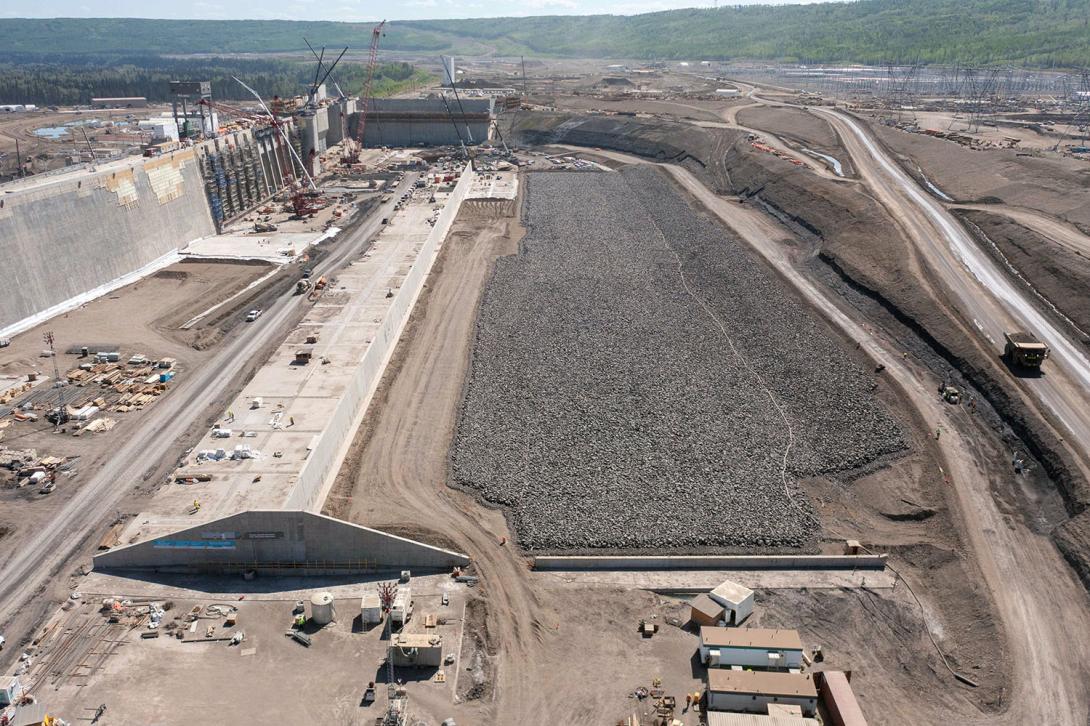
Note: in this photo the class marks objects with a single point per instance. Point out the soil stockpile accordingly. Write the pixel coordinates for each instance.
(628, 373)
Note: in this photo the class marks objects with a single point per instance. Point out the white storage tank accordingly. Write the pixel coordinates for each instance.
(322, 611)
(371, 609)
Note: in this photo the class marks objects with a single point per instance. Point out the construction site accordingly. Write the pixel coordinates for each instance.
(559, 392)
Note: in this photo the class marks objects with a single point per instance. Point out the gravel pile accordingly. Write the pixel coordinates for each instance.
(605, 407)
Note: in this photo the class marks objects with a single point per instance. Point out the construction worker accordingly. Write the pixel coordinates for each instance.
(938, 433)
(196, 505)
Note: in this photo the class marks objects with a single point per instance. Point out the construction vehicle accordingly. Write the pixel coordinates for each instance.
(302, 287)
(950, 394)
(320, 284)
(1024, 350)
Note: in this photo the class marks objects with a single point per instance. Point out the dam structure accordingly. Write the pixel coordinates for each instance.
(70, 236)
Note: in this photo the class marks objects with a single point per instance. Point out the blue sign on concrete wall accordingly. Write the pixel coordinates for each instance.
(194, 544)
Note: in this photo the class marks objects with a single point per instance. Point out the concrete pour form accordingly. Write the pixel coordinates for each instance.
(281, 441)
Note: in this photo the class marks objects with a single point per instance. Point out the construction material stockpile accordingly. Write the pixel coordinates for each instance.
(607, 407)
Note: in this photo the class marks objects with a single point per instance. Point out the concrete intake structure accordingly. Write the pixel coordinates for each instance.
(426, 122)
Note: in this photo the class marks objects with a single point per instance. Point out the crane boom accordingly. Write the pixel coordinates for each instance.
(365, 96)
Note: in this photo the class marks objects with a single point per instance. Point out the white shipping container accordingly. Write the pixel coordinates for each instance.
(371, 609)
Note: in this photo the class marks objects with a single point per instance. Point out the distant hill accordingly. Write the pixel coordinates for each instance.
(1022, 32)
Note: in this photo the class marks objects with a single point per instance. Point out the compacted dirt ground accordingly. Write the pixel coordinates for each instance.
(139, 318)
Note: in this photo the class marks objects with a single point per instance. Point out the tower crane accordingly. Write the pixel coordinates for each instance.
(352, 156)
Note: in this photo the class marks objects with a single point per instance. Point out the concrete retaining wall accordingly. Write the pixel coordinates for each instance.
(277, 540)
(712, 562)
(326, 457)
(61, 240)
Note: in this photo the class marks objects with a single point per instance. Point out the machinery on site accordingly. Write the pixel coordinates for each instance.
(1024, 350)
(950, 394)
(305, 197)
(352, 151)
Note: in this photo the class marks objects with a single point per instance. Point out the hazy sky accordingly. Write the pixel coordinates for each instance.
(342, 9)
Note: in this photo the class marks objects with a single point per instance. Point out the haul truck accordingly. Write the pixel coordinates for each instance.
(1024, 350)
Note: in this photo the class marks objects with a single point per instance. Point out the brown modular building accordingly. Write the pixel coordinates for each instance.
(754, 691)
(839, 699)
(705, 611)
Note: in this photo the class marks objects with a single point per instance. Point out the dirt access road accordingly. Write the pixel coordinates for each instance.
(983, 292)
(396, 470)
(56, 544)
(1037, 594)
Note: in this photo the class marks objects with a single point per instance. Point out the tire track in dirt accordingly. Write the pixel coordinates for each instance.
(396, 471)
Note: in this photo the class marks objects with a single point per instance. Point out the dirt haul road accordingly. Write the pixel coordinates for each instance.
(1036, 593)
(396, 471)
(31, 568)
(983, 292)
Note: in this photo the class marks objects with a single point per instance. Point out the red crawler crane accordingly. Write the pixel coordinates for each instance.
(352, 155)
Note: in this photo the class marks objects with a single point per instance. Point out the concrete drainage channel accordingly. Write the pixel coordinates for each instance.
(723, 562)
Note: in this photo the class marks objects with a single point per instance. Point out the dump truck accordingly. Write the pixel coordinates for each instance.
(1024, 350)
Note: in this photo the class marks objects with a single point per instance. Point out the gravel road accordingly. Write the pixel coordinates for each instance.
(628, 375)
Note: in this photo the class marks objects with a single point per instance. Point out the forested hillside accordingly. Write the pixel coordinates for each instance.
(75, 80)
(1023, 32)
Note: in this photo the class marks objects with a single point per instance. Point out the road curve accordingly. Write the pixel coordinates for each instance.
(29, 569)
(983, 292)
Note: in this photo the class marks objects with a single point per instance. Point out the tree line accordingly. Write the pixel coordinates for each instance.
(74, 80)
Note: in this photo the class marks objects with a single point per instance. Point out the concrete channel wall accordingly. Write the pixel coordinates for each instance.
(280, 541)
(64, 241)
(713, 562)
(326, 456)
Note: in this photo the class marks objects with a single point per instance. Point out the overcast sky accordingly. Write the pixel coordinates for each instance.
(341, 9)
